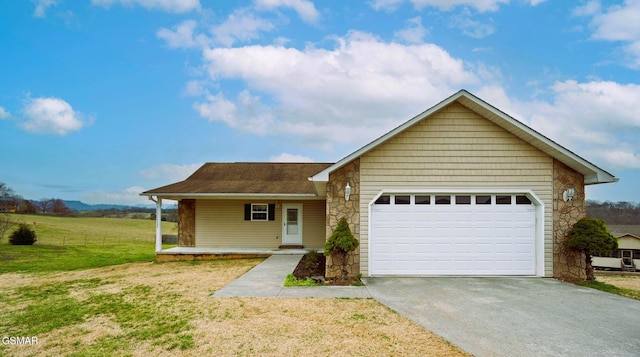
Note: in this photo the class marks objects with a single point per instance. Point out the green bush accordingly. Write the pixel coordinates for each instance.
(590, 236)
(24, 235)
(341, 241)
(339, 244)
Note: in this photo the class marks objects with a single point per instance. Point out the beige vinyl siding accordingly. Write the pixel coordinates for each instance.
(626, 242)
(314, 224)
(455, 148)
(221, 224)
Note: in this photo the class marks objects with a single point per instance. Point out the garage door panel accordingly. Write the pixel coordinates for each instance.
(452, 239)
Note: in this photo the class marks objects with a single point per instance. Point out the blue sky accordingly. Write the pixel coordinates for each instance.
(102, 99)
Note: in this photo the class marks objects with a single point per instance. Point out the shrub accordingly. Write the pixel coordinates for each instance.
(24, 235)
(591, 236)
(340, 243)
(341, 240)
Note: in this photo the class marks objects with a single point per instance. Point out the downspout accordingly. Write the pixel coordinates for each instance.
(158, 203)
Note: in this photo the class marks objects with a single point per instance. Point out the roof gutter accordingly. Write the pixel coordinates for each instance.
(175, 195)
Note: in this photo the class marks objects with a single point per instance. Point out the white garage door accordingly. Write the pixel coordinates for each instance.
(440, 234)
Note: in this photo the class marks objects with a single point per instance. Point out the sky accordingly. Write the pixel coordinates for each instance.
(103, 99)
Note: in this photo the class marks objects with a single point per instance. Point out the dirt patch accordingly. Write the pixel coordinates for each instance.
(311, 264)
(622, 281)
(224, 326)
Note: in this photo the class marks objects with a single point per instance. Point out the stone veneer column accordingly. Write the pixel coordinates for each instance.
(567, 265)
(187, 223)
(338, 207)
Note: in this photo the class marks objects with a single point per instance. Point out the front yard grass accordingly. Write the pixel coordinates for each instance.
(165, 309)
(89, 287)
(291, 280)
(622, 284)
(73, 243)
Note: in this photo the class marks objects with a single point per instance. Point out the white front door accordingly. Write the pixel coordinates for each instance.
(292, 224)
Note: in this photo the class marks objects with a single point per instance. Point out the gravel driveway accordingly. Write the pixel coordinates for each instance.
(516, 316)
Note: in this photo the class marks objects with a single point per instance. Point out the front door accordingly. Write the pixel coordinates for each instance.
(627, 257)
(292, 224)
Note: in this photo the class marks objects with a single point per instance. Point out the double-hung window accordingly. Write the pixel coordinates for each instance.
(259, 212)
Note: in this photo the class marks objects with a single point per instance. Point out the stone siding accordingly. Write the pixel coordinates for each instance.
(187, 223)
(567, 265)
(338, 207)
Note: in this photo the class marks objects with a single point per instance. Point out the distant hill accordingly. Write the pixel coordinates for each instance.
(615, 213)
(81, 206)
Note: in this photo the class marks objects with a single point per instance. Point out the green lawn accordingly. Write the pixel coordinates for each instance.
(630, 293)
(72, 243)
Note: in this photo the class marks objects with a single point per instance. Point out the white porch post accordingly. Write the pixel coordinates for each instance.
(158, 202)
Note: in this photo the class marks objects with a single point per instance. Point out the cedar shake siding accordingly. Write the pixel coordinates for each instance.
(455, 148)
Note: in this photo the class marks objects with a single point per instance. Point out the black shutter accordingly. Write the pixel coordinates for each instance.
(247, 211)
(272, 212)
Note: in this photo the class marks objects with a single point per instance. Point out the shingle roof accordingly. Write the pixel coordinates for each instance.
(245, 178)
(618, 230)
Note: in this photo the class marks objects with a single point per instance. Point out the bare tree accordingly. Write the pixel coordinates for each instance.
(27, 207)
(59, 208)
(44, 204)
(6, 191)
(8, 199)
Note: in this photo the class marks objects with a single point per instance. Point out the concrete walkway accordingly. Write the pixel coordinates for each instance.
(267, 279)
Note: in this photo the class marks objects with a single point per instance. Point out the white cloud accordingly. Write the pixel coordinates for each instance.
(242, 25)
(305, 9)
(445, 5)
(169, 172)
(596, 119)
(51, 116)
(285, 157)
(176, 6)
(414, 32)
(589, 9)
(618, 23)
(470, 27)
(195, 88)
(622, 159)
(316, 92)
(387, 5)
(217, 108)
(4, 114)
(128, 196)
(247, 113)
(182, 36)
(41, 7)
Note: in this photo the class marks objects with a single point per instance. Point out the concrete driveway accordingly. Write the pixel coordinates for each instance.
(516, 316)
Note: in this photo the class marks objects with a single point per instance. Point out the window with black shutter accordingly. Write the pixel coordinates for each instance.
(259, 212)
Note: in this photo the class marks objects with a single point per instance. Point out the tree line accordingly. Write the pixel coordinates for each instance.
(623, 212)
(10, 202)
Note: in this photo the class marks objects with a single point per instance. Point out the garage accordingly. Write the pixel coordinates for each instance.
(481, 234)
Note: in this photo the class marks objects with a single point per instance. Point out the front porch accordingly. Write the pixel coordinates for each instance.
(196, 253)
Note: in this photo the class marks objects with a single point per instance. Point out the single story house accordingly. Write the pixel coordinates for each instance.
(461, 189)
(626, 257)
